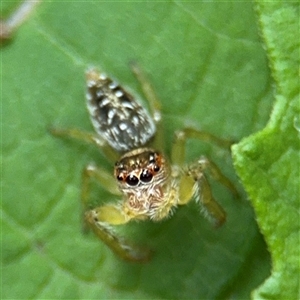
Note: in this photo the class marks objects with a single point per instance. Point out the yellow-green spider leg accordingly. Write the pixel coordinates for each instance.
(181, 136)
(101, 219)
(87, 137)
(153, 101)
(193, 181)
(209, 206)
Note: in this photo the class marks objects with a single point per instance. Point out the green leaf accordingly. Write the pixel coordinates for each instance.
(268, 162)
(210, 71)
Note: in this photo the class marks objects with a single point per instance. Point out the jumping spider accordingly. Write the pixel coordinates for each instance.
(151, 185)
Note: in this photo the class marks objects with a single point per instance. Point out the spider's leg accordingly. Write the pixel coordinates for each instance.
(181, 136)
(7, 27)
(209, 206)
(101, 218)
(149, 92)
(193, 181)
(154, 103)
(178, 153)
(87, 137)
(105, 179)
(216, 174)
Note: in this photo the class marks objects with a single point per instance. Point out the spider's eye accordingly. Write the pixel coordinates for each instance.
(156, 168)
(146, 176)
(132, 180)
(120, 177)
(152, 157)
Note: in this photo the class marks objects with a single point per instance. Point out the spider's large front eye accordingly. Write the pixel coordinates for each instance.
(146, 176)
(132, 180)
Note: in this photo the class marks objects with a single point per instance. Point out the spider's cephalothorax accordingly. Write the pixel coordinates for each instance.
(151, 185)
(144, 178)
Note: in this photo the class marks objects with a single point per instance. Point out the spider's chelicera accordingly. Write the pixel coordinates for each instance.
(151, 185)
